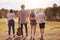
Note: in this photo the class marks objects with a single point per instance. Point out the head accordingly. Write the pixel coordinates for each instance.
(11, 11)
(54, 5)
(23, 6)
(32, 11)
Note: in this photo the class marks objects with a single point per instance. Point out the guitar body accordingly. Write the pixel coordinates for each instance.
(19, 31)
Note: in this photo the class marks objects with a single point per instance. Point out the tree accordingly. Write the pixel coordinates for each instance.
(0, 14)
(48, 13)
(16, 12)
(58, 13)
(54, 10)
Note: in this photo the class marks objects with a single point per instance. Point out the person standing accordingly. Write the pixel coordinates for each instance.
(11, 23)
(41, 20)
(23, 19)
(33, 23)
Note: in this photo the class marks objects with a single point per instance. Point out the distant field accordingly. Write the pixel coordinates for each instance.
(52, 30)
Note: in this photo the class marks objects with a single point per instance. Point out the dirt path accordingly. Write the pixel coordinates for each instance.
(49, 35)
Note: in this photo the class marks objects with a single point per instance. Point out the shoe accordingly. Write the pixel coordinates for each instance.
(33, 38)
(26, 35)
(17, 38)
(13, 35)
(9, 38)
(21, 36)
(24, 38)
(41, 38)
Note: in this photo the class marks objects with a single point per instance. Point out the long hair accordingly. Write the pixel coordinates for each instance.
(32, 14)
(11, 11)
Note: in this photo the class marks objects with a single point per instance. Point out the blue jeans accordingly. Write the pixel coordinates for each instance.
(11, 24)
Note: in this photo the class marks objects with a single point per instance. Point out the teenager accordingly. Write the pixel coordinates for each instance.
(33, 23)
(11, 23)
(23, 19)
(41, 18)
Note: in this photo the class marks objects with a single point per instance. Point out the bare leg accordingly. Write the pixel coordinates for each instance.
(34, 30)
(42, 33)
(31, 32)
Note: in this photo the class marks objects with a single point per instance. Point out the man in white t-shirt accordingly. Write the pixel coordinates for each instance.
(41, 20)
(10, 18)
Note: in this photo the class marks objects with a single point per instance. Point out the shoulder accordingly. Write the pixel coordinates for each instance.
(38, 14)
(20, 11)
(8, 13)
(43, 13)
(13, 13)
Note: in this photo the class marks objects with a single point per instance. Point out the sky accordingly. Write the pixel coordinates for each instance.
(29, 4)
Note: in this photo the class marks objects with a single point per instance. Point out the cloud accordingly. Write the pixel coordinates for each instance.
(15, 4)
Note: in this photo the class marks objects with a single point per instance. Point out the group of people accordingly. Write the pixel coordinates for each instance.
(23, 17)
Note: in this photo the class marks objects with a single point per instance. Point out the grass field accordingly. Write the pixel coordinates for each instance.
(52, 30)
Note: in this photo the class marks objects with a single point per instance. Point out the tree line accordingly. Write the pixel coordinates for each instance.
(3, 12)
(52, 13)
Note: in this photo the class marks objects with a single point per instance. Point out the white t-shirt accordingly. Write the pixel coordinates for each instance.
(41, 16)
(10, 16)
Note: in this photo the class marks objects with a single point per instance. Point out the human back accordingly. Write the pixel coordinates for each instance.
(11, 15)
(11, 23)
(23, 15)
(32, 15)
(23, 19)
(41, 17)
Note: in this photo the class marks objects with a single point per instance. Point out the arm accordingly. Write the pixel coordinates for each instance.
(19, 16)
(7, 16)
(27, 16)
(44, 17)
(14, 15)
(37, 19)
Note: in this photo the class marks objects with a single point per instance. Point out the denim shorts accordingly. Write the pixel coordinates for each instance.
(33, 22)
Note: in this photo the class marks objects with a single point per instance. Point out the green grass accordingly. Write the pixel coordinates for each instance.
(52, 29)
(48, 26)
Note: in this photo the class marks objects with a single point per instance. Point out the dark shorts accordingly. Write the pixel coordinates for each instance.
(42, 25)
(33, 22)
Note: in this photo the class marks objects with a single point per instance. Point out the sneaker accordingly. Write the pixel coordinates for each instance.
(41, 38)
(33, 38)
(13, 35)
(9, 38)
(24, 38)
(26, 34)
(17, 38)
